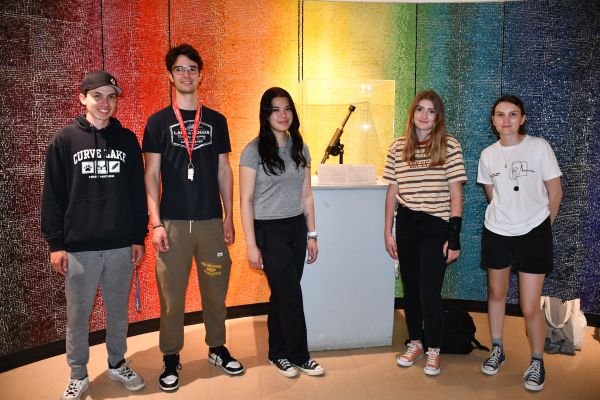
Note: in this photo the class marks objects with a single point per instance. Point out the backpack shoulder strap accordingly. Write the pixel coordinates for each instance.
(476, 345)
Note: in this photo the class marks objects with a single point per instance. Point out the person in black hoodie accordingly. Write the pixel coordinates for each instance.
(95, 219)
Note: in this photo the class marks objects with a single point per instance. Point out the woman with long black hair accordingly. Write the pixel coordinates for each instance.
(425, 172)
(278, 216)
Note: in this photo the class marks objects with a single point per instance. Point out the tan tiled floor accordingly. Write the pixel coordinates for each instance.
(351, 374)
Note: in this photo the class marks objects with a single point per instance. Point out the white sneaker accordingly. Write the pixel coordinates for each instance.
(75, 389)
(128, 377)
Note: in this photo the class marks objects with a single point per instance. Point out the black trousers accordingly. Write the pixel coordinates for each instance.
(419, 240)
(282, 243)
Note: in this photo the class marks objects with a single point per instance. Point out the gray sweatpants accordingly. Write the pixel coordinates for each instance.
(111, 270)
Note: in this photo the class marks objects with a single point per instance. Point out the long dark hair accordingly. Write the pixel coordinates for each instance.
(509, 98)
(267, 143)
(436, 145)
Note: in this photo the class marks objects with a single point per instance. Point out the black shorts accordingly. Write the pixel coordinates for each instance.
(531, 252)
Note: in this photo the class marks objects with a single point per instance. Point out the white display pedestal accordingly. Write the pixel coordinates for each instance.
(349, 291)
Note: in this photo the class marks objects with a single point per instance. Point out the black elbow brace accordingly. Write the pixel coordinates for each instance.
(454, 225)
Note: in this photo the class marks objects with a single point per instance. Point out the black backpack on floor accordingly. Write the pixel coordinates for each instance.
(459, 333)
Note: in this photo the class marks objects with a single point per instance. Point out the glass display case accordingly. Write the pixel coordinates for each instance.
(369, 129)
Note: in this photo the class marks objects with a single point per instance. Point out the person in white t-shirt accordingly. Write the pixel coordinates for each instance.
(521, 180)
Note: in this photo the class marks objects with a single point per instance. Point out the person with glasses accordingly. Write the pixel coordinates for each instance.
(95, 220)
(186, 148)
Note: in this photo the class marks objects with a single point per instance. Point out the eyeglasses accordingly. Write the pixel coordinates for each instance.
(180, 69)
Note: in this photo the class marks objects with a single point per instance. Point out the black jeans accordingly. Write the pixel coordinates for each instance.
(282, 243)
(419, 240)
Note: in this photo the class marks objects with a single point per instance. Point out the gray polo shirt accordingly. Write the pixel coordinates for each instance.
(276, 196)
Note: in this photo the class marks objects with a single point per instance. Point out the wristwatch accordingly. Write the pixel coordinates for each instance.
(312, 235)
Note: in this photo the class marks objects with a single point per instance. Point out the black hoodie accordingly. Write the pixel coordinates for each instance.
(94, 196)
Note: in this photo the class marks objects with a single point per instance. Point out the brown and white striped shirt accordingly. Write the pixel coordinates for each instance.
(420, 186)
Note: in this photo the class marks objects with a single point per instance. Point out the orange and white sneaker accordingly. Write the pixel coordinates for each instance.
(432, 366)
(412, 354)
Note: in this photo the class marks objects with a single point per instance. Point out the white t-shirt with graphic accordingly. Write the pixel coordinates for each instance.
(520, 199)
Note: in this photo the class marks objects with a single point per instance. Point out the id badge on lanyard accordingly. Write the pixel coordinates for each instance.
(190, 170)
(189, 147)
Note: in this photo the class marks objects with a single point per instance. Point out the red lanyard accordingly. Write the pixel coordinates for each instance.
(197, 119)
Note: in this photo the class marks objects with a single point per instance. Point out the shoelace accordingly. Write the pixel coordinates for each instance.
(126, 372)
(413, 349)
(433, 356)
(494, 360)
(311, 364)
(534, 371)
(285, 364)
(74, 386)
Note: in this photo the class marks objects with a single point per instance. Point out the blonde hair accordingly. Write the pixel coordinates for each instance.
(435, 147)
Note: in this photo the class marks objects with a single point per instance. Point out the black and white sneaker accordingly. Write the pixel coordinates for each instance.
(285, 367)
(535, 375)
(220, 357)
(311, 367)
(169, 379)
(494, 361)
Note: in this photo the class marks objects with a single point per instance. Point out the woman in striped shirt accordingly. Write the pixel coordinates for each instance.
(425, 172)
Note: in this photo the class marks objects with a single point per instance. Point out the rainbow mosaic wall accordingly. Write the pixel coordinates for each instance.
(543, 51)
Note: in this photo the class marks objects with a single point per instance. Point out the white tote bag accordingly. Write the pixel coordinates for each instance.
(565, 325)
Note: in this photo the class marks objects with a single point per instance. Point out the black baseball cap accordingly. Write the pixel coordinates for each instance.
(97, 79)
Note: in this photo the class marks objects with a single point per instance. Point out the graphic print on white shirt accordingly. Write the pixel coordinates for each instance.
(519, 169)
(517, 173)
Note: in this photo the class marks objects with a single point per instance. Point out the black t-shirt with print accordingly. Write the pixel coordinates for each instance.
(183, 199)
